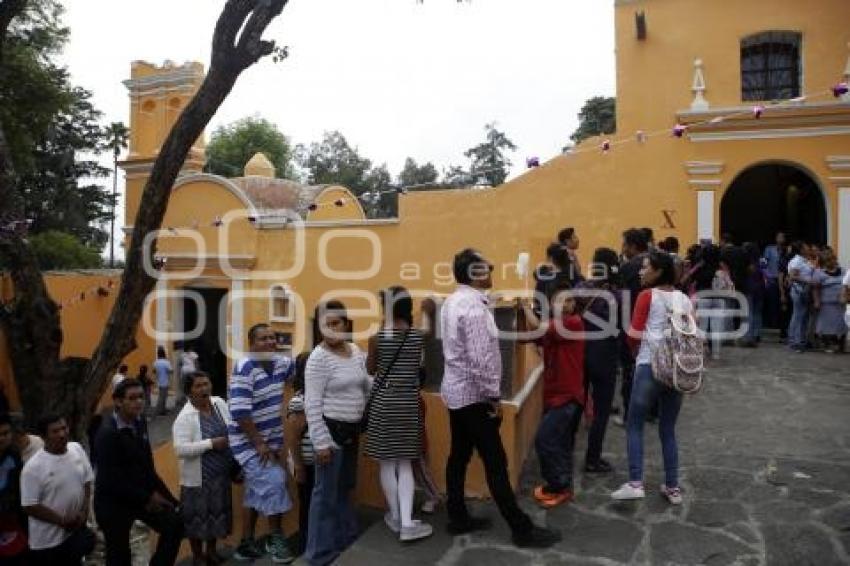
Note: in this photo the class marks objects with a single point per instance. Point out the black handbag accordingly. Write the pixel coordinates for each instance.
(343, 434)
(235, 470)
(380, 382)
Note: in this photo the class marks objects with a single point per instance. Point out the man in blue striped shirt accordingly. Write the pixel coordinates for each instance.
(256, 441)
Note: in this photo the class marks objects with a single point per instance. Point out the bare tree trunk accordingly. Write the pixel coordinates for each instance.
(73, 387)
(232, 53)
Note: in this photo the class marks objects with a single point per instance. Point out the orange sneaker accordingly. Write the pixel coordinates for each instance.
(548, 500)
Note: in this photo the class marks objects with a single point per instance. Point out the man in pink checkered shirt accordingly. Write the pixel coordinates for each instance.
(471, 391)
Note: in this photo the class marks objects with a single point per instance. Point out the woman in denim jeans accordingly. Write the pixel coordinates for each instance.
(336, 389)
(800, 272)
(648, 325)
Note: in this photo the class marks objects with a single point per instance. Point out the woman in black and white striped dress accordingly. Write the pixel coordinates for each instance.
(394, 434)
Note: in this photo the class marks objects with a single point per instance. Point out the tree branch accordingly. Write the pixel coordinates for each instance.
(227, 63)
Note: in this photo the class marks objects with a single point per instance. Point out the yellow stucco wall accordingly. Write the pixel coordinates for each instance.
(654, 76)
(82, 320)
(600, 194)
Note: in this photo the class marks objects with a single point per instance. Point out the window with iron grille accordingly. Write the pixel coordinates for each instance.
(771, 66)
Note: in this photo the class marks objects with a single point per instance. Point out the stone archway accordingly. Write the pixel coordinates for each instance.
(770, 197)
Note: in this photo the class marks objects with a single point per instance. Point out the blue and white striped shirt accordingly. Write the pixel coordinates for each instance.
(256, 395)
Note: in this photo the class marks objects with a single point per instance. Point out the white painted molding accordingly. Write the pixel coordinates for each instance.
(519, 399)
(341, 223)
(705, 215)
(281, 291)
(838, 162)
(173, 78)
(162, 323)
(705, 184)
(700, 104)
(182, 261)
(769, 134)
(844, 225)
(770, 109)
(220, 181)
(704, 167)
(237, 314)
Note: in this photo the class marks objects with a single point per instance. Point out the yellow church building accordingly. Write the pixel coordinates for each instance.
(728, 120)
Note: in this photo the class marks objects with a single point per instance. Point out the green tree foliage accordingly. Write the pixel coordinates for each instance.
(34, 88)
(117, 138)
(53, 130)
(58, 192)
(378, 179)
(598, 116)
(59, 250)
(334, 161)
(489, 163)
(413, 174)
(231, 147)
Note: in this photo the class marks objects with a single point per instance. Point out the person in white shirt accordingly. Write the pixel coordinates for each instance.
(163, 370)
(120, 376)
(56, 486)
(189, 360)
(800, 272)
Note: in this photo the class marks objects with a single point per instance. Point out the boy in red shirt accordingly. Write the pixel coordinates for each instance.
(563, 393)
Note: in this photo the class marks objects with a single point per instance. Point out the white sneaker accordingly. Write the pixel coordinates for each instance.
(672, 494)
(429, 506)
(418, 530)
(628, 491)
(618, 420)
(392, 524)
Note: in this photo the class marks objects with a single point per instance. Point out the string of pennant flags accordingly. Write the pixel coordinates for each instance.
(679, 130)
(100, 290)
(757, 111)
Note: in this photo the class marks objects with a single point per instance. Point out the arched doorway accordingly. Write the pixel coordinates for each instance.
(211, 358)
(771, 197)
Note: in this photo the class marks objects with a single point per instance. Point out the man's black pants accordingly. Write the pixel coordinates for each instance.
(116, 531)
(473, 427)
(70, 553)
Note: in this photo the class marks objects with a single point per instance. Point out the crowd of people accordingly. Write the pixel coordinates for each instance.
(48, 484)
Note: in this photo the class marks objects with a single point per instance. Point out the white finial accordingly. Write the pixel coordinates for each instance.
(699, 103)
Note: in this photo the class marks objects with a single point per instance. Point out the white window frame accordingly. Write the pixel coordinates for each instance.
(281, 291)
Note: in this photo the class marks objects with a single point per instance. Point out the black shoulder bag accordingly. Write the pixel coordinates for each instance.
(380, 382)
(235, 468)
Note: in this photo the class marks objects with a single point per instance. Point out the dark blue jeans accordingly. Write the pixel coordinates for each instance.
(646, 392)
(755, 302)
(602, 376)
(798, 327)
(554, 443)
(332, 526)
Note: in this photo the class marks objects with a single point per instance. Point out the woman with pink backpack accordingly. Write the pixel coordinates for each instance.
(669, 349)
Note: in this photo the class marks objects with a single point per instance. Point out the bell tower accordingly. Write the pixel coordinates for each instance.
(158, 95)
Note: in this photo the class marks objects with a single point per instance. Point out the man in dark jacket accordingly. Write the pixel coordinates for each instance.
(635, 248)
(127, 487)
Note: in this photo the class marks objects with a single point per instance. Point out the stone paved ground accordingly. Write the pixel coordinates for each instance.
(765, 461)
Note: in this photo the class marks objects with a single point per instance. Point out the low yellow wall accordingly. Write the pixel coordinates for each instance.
(84, 314)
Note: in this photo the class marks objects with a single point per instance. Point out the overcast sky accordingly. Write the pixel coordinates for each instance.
(397, 77)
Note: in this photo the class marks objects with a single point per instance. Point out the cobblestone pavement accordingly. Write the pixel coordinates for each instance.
(765, 463)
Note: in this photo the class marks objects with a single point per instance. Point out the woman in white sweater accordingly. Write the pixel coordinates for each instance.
(200, 441)
(336, 390)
